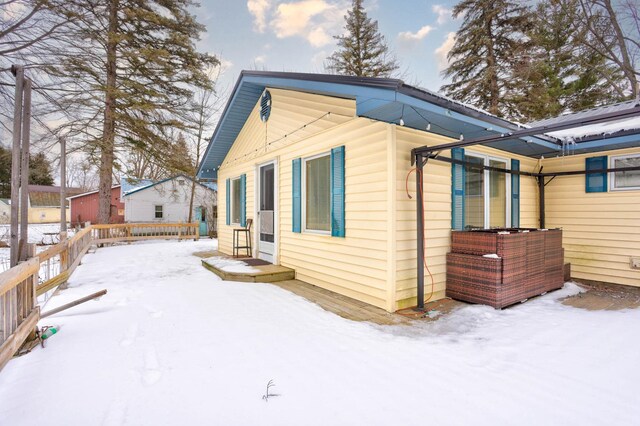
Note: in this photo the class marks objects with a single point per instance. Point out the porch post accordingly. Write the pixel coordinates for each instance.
(420, 230)
(541, 200)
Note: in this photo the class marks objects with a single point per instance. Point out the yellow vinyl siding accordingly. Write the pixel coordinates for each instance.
(355, 266)
(601, 230)
(437, 193)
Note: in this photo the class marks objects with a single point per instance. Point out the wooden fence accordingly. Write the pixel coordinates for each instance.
(18, 307)
(21, 285)
(143, 231)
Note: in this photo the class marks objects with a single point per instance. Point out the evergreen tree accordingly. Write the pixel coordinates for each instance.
(487, 46)
(40, 170)
(559, 74)
(362, 51)
(128, 77)
(5, 172)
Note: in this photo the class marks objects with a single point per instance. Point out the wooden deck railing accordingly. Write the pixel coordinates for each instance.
(18, 308)
(21, 285)
(144, 231)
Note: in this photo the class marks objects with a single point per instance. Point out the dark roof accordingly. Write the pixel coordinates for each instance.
(90, 192)
(620, 106)
(48, 196)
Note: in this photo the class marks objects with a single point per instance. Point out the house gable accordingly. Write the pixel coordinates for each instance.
(294, 117)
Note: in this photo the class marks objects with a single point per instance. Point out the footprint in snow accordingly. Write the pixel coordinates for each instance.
(153, 313)
(130, 336)
(116, 413)
(152, 372)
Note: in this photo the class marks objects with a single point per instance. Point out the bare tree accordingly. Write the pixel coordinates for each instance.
(207, 103)
(81, 174)
(614, 32)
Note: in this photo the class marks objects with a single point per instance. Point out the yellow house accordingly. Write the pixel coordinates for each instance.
(44, 203)
(322, 164)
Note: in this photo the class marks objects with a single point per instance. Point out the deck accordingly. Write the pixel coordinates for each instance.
(595, 297)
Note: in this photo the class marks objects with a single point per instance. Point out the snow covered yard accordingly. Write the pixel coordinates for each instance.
(38, 234)
(172, 344)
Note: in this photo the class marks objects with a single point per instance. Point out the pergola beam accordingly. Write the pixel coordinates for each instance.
(532, 131)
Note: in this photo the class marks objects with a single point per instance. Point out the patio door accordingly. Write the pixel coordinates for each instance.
(266, 212)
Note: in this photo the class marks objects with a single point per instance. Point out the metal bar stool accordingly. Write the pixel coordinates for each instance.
(247, 239)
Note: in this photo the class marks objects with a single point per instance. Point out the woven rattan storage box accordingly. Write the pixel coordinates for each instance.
(529, 262)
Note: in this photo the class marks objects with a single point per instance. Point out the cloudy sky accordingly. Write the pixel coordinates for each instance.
(291, 35)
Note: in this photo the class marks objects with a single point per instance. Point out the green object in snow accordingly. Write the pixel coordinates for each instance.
(49, 332)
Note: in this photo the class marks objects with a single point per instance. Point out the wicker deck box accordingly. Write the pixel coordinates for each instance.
(529, 262)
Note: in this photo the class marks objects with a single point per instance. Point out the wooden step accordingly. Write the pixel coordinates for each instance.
(263, 274)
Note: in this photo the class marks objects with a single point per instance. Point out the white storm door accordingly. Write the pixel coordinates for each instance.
(266, 212)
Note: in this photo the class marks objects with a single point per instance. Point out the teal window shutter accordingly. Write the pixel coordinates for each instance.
(296, 184)
(458, 181)
(228, 202)
(515, 194)
(243, 200)
(596, 182)
(337, 192)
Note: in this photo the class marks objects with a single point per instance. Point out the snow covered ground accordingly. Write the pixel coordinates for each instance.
(173, 344)
(36, 236)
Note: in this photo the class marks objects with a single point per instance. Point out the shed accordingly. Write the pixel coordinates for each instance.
(168, 201)
(84, 207)
(324, 164)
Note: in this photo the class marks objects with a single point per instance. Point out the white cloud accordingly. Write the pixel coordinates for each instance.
(318, 37)
(260, 59)
(443, 13)
(313, 20)
(318, 59)
(259, 9)
(444, 49)
(417, 36)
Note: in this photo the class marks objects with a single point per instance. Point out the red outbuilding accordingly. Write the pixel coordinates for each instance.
(84, 207)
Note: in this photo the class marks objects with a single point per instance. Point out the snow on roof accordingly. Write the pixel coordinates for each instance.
(598, 129)
(606, 128)
(132, 184)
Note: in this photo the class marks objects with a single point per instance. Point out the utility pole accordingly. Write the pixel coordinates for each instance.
(63, 186)
(24, 172)
(18, 72)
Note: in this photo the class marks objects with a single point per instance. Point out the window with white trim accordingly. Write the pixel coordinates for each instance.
(316, 193)
(235, 200)
(158, 212)
(486, 201)
(623, 181)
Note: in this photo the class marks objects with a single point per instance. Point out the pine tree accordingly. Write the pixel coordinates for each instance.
(40, 170)
(362, 51)
(490, 40)
(5, 172)
(559, 74)
(128, 77)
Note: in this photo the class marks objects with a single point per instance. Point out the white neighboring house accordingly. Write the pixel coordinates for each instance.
(168, 201)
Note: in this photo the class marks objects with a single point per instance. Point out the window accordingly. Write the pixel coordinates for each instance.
(235, 200)
(486, 202)
(317, 194)
(158, 212)
(625, 180)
